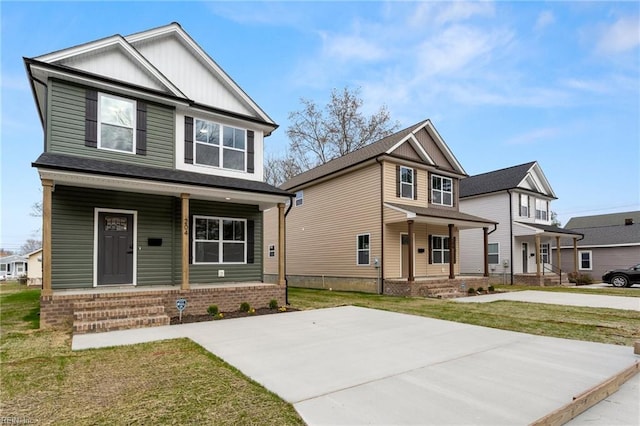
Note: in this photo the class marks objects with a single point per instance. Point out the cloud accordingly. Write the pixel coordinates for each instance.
(545, 18)
(350, 47)
(442, 13)
(534, 136)
(621, 36)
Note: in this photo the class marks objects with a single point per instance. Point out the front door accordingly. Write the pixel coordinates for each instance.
(525, 258)
(404, 238)
(115, 248)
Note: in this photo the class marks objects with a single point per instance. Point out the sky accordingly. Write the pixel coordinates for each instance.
(504, 83)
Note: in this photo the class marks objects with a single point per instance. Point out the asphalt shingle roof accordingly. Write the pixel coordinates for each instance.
(619, 235)
(445, 214)
(497, 180)
(602, 220)
(55, 161)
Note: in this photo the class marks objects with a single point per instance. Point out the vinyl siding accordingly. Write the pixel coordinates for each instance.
(322, 233)
(390, 185)
(66, 129)
(207, 274)
(271, 237)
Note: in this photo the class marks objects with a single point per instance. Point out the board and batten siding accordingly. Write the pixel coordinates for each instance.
(66, 129)
(494, 207)
(322, 233)
(208, 273)
(72, 238)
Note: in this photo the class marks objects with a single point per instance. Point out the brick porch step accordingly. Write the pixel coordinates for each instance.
(443, 291)
(109, 314)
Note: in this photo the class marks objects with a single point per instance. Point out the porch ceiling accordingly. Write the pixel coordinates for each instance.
(439, 216)
(100, 174)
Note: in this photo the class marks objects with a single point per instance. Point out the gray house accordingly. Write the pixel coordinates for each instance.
(13, 267)
(152, 177)
(611, 241)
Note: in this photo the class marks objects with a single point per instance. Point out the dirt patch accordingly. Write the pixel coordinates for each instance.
(186, 319)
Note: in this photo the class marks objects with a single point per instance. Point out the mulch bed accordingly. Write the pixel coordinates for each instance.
(186, 319)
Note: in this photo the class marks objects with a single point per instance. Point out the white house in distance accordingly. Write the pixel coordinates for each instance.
(12, 267)
(34, 268)
(519, 247)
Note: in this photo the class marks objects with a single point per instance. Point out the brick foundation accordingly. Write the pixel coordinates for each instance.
(56, 311)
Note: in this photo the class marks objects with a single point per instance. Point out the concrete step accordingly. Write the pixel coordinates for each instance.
(89, 326)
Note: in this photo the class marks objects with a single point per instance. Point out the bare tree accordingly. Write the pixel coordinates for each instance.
(317, 135)
(554, 219)
(30, 245)
(36, 209)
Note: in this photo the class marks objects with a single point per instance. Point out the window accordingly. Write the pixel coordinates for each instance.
(299, 198)
(116, 123)
(441, 190)
(585, 260)
(364, 249)
(406, 182)
(3, 267)
(542, 209)
(210, 151)
(524, 205)
(440, 249)
(272, 250)
(219, 240)
(493, 253)
(544, 253)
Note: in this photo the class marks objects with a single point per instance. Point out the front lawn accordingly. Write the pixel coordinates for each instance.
(578, 323)
(170, 382)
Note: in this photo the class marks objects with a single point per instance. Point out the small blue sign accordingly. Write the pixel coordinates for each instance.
(181, 304)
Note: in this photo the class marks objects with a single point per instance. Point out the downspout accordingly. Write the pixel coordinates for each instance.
(381, 268)
(286, 280)
(511, 231)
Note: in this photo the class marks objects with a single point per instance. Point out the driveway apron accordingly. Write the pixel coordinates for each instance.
(351, 365)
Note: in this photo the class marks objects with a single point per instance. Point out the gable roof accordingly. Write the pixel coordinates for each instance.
(602, 220)
(156, 62)
(385, 146)
(616, 235)
(504, 179)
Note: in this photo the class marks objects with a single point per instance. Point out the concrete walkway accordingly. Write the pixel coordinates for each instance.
(352, 365)
(555, 298)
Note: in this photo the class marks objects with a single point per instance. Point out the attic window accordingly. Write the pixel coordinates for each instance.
(116, 123)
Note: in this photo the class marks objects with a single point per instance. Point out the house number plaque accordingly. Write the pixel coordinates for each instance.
(181, 305)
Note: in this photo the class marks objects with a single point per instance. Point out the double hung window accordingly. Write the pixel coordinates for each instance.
(406, 182)
(441, 190)
(542, 209)
(116, 123)
(524, 205)
(364, 249)
(440, 249)
(494, 253)
(585, 260)
(221, 146)
(219, 240)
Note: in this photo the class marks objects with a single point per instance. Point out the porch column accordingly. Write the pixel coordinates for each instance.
(575, 256)
(281, 243)
(558, 258)
(185, 241)
(537, 255)
(485, 232)
(47, 190)
(410, 278)
(452, 253)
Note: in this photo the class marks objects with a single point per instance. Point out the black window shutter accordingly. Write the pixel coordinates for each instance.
(141, 129)
(251, 240)
(415, 184)
(429, 187)
(188, 140)
(398, 181)
(250, 152)
(429, 247)
(91, 119)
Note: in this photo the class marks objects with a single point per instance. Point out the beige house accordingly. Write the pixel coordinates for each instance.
(34, 268)
(384, 219)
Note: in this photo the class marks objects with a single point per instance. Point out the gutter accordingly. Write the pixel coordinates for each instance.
(511, 231)
(286, 280)
(381, 267)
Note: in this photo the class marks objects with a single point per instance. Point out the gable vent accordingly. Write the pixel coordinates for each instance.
(628, 221)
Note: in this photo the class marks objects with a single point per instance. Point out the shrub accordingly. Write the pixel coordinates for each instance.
(244, 307)
(480, 289)
(471, 290)
(273, 304)
(251, 311)
(580, 279)
(213, 310)
(491, 289)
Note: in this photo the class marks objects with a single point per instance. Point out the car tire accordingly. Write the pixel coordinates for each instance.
(620, 281)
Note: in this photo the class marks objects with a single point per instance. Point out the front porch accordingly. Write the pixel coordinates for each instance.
(122, 307)
(441, 287)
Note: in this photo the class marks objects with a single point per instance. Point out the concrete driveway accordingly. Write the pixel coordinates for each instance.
(349, 365)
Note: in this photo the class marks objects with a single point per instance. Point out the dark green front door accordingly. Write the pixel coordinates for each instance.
(115, 248)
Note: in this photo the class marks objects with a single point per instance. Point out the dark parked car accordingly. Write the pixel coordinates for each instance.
(623, 277)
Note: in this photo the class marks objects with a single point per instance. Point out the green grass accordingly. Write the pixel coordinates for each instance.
(609, 291)
(613, 326)
(169, 382)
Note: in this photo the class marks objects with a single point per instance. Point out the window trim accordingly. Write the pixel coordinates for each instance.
(412, 184)
(221, 147)
(580, 253)
(221, 241)
(368, 250)
(497, 253)
(134, 126)
(442, 191)
(442, 250)
(299, 198)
